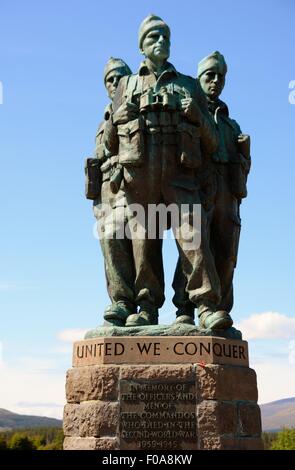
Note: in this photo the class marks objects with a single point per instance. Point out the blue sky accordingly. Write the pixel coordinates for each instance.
(52, 56)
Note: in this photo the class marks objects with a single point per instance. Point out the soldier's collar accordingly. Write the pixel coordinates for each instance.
(144, 69)
(108, 111)
(218, 104)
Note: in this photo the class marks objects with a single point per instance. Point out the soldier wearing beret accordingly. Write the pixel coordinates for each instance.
(224, 185)
(105, 195)
(160, 128)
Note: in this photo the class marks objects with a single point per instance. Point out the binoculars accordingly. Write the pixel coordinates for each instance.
(162, 100)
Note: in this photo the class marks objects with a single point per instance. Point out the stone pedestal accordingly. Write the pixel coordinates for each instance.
(161, 393)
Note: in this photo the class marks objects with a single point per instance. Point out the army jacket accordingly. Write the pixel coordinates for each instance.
(228, 132)
(100, 150)
(228, 151)
(179, 86)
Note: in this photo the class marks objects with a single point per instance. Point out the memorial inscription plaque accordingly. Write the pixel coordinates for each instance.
(160, 350)
(157, 415)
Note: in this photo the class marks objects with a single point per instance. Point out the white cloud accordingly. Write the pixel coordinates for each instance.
(275, 380)
(37, 364)
(291, 349)
(27, 391)
(72, 335)
(1, 354)
(34, 385)
(64, 349)
(267, 325)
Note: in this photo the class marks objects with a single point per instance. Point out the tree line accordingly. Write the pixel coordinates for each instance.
(52, 439)
(32, 439)
(282, 440)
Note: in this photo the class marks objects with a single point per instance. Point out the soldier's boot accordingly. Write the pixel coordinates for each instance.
(117, 313)
(185, 314)
(211, 319)
(146, 316)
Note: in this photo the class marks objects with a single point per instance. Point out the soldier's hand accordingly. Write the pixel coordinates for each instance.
(244, 145)
(191, 110)
(126, 112)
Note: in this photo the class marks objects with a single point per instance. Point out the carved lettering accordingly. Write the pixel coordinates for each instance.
(108, 349)
(160, 350)
(176, 349)
(242, 352)
(119, 349)
(80, 352)
(217, 349)
(153, 413)
(235, 351)
(147, 347)
(206, 349)
(226, 348)
(88, 350)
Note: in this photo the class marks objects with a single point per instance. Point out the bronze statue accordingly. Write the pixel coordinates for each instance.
(159, 128)
(224, 185)
(101, 178)
(160, 144)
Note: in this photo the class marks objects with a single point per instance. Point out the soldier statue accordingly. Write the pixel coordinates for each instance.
(224, 185)
(101, 177)
(159, 129)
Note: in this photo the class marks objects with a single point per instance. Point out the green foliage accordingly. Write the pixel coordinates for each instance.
(268, 438)
(56, 443)
(285, 440)
(3, 443)
(32, 439)
(19, 441)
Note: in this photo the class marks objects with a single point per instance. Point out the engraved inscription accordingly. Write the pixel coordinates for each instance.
(157, 415)
(164, 350)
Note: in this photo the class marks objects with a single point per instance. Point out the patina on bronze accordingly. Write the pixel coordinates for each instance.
(168, 139)
(223, 187)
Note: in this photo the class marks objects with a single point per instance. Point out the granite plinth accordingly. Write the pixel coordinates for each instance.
(194, 403)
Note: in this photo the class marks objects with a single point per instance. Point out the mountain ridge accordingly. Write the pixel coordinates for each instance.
(274, 415)
(10, 420)
(278, 414)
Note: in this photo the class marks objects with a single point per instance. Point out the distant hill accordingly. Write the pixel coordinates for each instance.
(278, 414)
(9, 420)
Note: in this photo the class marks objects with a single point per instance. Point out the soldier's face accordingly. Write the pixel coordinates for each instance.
(156, 45)
(212, 82)
(112, 82)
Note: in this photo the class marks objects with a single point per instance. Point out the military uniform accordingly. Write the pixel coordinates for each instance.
(160, 152)
(118, 249)
(223, 187)
(231, 168)
(109, 198)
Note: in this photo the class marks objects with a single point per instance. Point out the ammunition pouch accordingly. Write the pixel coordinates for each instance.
(189, 145)
(112, 171)
(92, 178)
(238, 174)
(131, 142)
(100, 151)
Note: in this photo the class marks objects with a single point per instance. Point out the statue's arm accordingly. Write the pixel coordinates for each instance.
(110, 135)
(99, 145)
(195, 109)
(244, 142)
(209, 134)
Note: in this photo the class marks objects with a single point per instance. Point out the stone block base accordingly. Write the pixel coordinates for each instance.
(162, 407)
